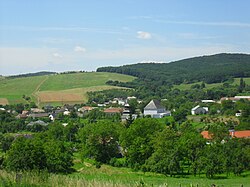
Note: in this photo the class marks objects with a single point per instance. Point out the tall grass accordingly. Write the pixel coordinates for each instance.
(9, 179)
(117, 178)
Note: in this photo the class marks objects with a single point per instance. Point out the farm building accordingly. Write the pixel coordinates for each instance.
(155, 110)
(199, 110)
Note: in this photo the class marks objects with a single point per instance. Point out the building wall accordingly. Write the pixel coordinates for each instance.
(150, 112)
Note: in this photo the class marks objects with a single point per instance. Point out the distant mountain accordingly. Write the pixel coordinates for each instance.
(32, 74)
(210, 69)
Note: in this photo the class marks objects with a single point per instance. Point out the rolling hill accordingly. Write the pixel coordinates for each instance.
(210, 69)
(56, 89)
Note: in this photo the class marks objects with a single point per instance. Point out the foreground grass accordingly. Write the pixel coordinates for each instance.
(88, 175)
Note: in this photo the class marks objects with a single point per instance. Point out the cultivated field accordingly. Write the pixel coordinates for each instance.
(3, 101)
(71, 95)
(65, 88)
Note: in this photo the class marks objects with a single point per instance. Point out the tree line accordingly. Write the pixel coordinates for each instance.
(210, 69)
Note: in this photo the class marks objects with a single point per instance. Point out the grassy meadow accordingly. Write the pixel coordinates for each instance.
(88, 175)
(71, 88)
(209, 86)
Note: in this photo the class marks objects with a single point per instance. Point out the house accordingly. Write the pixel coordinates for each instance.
(85, 109)
(132, 97)
(39, 122)
(199, 110)
(238, 113)
(66, 113)
(206, 135)
(39, 115)
(101, 105)
(119, 101)
(37, 110)
(52, 116)
(113, 111)
(242, 97)
(22, 116)
(232, 133)
(126, 114)
(234, 99)
(207, 101)
(240, 134)
(155, 110)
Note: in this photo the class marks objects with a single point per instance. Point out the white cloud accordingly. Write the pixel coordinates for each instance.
(79, 49)
(57, 55)
(143, 35)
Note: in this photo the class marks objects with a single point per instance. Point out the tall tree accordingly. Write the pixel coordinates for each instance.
(136, 140)
(100, 140)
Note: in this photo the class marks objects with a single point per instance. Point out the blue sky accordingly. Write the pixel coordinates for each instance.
(62, 35)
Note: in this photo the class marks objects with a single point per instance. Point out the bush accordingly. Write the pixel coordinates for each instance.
(118, 162)
(98, 165)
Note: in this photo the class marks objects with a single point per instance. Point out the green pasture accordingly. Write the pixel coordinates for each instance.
(209, 86)
(14, 89)
(81, 80)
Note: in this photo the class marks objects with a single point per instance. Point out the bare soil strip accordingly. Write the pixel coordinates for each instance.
(4, 101)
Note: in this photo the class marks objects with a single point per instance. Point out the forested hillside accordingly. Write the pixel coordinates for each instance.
(209, 69)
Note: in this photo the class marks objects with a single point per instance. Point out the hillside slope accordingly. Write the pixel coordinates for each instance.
(210, 69)
(62, 88)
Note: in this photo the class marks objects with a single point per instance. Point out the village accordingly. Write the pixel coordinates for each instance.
(120, 108)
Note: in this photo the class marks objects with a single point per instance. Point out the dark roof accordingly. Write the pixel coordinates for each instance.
(39, 115)
(154, 104)
(39, 122)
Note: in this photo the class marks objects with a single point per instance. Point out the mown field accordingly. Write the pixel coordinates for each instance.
(61, 88)
(209, 86)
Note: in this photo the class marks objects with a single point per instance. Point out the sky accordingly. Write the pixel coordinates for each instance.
(67, 35)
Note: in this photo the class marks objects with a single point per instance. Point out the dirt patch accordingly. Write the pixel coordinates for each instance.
(46, 97)
(4, 101)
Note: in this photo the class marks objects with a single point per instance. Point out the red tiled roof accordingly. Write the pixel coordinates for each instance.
(236, 134)
(206, 135)
(87, 108)
(241, 134)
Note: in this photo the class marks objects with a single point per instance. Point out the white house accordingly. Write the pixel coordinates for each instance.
(207, 101)
(199, 110)
(238, 113)
(155, 110)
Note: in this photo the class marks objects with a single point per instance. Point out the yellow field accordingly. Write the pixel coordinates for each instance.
(71, 95)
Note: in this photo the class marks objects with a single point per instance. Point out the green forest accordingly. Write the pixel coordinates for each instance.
(208, 69)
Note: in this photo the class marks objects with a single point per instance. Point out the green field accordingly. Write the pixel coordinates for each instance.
(67, 87)
(88, 175)
(209, 86)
